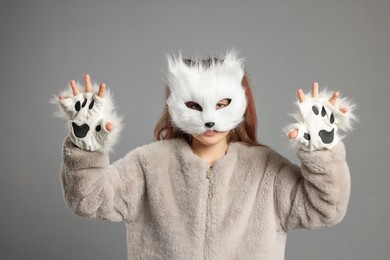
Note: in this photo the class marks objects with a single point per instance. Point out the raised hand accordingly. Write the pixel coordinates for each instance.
(89, 89)
(90, 115)
(315, 94)
(319, 119)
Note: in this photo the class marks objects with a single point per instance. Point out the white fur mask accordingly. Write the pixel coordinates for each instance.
(206, 85)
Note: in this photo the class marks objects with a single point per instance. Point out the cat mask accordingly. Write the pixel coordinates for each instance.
(204, 84)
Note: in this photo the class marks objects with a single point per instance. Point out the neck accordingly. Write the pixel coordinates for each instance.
(209, 153)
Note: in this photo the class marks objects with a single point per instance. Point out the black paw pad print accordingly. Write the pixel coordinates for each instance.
(78, 105)
(81, 131)
(327, 137)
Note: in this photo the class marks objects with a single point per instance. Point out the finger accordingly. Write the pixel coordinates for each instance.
(293, 134)
(75, 88)
(61, 97)
(102, 90)
(87, 80)
(344, 110)
(314, 90)
(301, 95)
(109, 126)
(334, 97)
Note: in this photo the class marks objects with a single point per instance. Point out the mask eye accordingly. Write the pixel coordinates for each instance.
(193, 105)
(223, 103)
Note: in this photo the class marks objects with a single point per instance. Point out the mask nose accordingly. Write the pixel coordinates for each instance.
(209, 124)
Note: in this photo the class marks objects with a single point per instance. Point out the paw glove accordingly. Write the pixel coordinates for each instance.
(319, 122)
(87, 115)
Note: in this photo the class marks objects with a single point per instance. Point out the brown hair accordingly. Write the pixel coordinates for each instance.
(244, 132)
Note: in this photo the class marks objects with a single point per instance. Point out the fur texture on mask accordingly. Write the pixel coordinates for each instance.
(206, 85)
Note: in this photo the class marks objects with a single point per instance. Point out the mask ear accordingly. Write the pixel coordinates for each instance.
(174, 63)
(233, 66)
(179, 77)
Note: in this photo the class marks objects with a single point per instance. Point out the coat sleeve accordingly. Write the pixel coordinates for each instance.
(315, 195)
(95, 189)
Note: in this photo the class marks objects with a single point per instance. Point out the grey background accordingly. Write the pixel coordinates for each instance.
(288, 44)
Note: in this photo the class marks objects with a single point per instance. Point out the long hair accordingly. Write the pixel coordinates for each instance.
(244, 132)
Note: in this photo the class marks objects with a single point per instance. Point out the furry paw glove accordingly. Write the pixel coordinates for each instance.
(87, 115)
(319, 122)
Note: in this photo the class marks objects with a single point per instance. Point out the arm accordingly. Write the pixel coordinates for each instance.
(92, 187)
(95, 189)
(315, 195)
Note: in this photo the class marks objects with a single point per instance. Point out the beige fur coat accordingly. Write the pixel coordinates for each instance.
(176, 207)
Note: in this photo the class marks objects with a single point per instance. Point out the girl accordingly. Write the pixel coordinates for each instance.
(206, 189)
